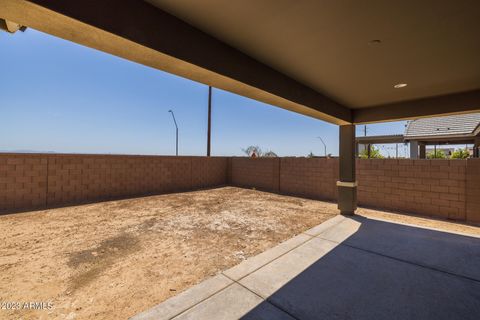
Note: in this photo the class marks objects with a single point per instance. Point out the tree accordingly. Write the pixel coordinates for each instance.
(436, 154)
(460, 154)
(269, 154)
(374, 153)
(251, 150)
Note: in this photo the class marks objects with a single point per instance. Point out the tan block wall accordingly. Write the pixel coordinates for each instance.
(30, 181)
(442, 188)
(432, 187)
(260, 173)
(312, 178)
(473, 190)
(23, 181)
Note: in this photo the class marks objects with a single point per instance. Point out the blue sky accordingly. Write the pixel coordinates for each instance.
(59, 96)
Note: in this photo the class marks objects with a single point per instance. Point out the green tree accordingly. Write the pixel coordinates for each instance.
(438, 154)
(374, 153)
(460, 154)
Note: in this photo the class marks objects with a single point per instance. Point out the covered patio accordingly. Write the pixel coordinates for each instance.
(377, 67)
(344, 62)
(345, 268)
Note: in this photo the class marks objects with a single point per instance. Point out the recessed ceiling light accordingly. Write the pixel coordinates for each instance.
(400, 85)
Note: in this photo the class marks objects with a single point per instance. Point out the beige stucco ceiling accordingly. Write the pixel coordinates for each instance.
(434, 46)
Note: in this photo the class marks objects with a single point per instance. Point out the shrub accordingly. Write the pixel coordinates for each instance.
(374, 153)
(460, 154)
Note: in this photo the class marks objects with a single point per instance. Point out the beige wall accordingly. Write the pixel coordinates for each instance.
(443, 188)
(33, 181)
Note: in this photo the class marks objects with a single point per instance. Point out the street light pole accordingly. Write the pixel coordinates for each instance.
(176, 127)
(324, 145)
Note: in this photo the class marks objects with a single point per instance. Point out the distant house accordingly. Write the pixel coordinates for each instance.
(455, 129)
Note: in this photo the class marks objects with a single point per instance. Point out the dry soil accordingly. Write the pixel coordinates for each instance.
(114, 259)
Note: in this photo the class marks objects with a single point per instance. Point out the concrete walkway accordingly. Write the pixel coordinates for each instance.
(345, 268)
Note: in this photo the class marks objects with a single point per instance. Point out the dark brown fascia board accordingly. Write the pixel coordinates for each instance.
(456, 103)
(141, 32)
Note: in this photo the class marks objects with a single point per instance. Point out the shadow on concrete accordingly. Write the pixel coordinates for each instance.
(387, 271)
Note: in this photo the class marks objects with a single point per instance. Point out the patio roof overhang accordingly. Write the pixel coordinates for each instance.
(383, 139)
(319, 59)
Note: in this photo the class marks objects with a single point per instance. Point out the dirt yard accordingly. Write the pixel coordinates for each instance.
(114, 259)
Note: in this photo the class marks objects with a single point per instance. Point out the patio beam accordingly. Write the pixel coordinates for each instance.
(139, 31)
(347, 185)
(455, 103)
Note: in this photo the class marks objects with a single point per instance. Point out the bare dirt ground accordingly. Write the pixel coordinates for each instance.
(114, 259)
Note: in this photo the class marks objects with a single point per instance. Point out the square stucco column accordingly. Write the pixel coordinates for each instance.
(347, 186)
(476, 148)
(413, 149)
(423, 151)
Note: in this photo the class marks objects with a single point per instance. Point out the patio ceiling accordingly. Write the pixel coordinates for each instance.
(312, 57)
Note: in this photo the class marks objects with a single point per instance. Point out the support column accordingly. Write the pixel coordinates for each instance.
(413, 149)
(423, 151)
(347, 186)
(476, 148)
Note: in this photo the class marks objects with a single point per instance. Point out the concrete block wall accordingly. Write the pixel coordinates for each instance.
(31, 181)
(23, 181)
(432, 187)
(260, 173)
(312, 178)
(443, 188)
(473, 191)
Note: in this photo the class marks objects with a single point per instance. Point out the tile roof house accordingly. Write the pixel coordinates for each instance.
(453, 129)
(462, 126)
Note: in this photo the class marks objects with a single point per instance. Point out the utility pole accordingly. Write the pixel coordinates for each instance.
(176, 127)
(209, 130)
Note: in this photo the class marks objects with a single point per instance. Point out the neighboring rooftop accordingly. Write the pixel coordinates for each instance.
(455, 125)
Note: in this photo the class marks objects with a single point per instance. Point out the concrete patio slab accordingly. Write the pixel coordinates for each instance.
(342, 231)
(355, 268)
(349, 283)
(234, 302)
(273, 276)
(315, 231)
(248, 266)
(444, 251)
(186, 299)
